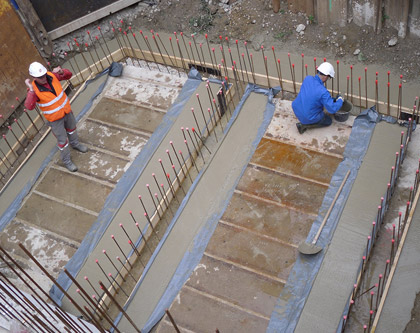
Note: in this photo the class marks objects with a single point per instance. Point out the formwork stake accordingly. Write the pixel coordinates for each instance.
(265, 65)
(179, 162)
(182, 58)
(185, 45)
(106, 45)
(160, 52)
(119, 247)
(154, 203)
(240, 61)
(164, 47)
(118, 40)
(56, 283)
(77, 64)
(83, 56)
(162, 193)
(119, 307)
(94, 48)
(172, 321)
(146, 242)
(199, 152)
(192, 55)
(211, 57)
(338, 76)
(202, 113)
(198, 137)
(252, 67)
(124, 34)
(122, 265)
(10, 147)
(189, 153)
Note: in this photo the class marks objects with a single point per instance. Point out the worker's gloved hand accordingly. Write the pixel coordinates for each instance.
(338, 97)
(28, 84)
(58, 70)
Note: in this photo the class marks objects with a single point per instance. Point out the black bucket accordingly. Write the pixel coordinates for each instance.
(344, 112)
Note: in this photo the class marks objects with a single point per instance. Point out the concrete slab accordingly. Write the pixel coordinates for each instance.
(55, 183)
(100, 164)
(405, 286)
(159, 94)
(52, 252)
(129, 115)
(256, 253)
(199, 209)
(210, 313)
(296, 160)
(303, 195)
(333, 285)
(114, 139)
(329, 140)
(270, 213)
(55, 216)
(214, 277)
(268, 218)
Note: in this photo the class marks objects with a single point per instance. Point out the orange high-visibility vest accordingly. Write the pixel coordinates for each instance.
(53, 107)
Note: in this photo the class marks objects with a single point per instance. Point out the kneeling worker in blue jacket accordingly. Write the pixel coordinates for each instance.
(313, 97)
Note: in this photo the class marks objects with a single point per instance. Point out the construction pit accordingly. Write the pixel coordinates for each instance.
(188, 211)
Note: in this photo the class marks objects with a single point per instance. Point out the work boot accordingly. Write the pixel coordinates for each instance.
(81, 148)
(301, 128)
(65, 157)
(71, 166)
(74, 142)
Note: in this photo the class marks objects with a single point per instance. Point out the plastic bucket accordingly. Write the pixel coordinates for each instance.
(347, 106)
(341, 116)
(344, 112)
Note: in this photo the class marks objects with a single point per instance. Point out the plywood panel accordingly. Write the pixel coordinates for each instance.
(16, 53)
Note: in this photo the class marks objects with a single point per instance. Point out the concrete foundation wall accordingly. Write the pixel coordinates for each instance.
(414, 19)
(403, 15)
(364, 12)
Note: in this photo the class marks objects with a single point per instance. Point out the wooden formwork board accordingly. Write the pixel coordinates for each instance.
(16, 53)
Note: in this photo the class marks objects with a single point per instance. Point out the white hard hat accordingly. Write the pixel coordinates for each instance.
(37, 70)
(326, 69)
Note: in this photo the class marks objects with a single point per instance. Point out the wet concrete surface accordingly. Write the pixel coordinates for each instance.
(334, 282)
(62, 206)
(129, 115)
(271, 211)
(55, 183)
(400, 310)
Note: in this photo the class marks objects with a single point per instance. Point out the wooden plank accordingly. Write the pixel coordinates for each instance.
(16, 53)
(34, 27)
(80, 20)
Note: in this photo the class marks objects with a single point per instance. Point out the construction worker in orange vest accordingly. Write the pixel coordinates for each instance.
(46, 91)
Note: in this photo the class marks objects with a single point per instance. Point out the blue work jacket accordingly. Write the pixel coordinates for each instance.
(313, 97)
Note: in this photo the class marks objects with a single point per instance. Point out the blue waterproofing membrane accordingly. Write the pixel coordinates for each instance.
(292, 299)
(124, 186)
(12, 210)
(192, 258)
